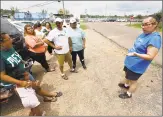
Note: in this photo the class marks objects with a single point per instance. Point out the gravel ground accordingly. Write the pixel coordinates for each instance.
(94, 91)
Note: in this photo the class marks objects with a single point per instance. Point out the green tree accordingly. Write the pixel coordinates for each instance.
(159, 15)
(61, 11)
(13, 10)
(139, 17)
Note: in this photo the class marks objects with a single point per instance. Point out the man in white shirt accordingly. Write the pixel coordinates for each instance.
(62, 46)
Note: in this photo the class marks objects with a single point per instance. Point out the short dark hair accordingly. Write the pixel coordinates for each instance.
(2, 37)
(49, 24)
(38, 24)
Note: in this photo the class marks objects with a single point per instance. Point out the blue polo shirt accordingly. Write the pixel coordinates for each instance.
(137, 64)
(77, 35)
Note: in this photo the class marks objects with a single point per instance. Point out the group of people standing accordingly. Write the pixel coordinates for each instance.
(66, 43)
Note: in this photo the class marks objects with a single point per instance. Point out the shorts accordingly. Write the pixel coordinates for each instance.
(130, 75)
(64, 58)
(28, 96)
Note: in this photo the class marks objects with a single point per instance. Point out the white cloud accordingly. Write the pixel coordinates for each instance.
(93, 7)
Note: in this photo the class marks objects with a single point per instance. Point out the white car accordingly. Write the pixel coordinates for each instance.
(20, 24)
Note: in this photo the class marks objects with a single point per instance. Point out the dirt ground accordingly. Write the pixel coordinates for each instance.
(95, 91)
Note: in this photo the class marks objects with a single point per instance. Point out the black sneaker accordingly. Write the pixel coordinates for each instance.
(123, 86)
(125, 95)
(84, 66)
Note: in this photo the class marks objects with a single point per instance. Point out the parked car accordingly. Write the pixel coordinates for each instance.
(111, 20)
(20, 25)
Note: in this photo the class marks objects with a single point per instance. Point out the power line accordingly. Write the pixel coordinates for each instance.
(35, 5)
(45, 4)
(38, 5)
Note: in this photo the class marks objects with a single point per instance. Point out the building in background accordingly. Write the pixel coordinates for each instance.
(30, 16)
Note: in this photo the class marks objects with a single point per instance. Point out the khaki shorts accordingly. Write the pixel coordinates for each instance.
(64, 58)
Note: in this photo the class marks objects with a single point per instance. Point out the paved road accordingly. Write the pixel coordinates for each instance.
(121, 34)
(94, 91)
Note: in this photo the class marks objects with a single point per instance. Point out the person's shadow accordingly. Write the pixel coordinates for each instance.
(78, 66)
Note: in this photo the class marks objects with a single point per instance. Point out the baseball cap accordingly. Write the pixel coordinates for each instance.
(72, 20)
(58, 20)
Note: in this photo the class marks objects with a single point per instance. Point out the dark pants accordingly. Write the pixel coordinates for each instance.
(81, 57)
(41, 58)
(50, 49)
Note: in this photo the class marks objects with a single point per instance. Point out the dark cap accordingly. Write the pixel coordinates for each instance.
(38, 24)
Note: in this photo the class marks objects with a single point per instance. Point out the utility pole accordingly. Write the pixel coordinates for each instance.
(63, 8)
(86, 15)
(106, 11)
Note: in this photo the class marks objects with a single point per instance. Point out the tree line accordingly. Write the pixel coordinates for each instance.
(158, 15)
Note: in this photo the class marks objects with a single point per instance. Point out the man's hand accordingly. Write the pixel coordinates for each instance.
(36, 84)
(70, 49)
(25, 84)
(132, 54)
(58, 47)
(83, 46)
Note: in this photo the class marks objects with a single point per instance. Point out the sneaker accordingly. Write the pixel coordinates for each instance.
(74, 71)
(125, 96)
(84, 66)
(121, 85)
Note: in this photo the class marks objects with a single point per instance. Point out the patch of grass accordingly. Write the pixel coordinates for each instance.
(138, 25)
(53, 25)
(83, 26)
(135, 25)
(160, 26)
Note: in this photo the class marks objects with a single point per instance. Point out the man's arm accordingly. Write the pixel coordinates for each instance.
(70, 44)
(84, 42)
(9, 79)
(49, 43)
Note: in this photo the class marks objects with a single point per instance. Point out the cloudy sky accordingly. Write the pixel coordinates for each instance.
(91, 7)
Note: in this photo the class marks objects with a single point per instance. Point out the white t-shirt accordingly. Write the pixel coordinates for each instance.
(60, 38)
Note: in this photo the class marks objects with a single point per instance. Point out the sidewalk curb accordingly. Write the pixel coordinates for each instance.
(154, 63)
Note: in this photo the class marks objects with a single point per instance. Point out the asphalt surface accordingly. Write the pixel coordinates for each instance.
(95, 91)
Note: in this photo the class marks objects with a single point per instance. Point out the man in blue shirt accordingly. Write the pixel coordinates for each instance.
(139, 57)
(78, 42)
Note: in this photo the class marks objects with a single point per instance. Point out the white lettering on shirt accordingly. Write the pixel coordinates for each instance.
(15, 57)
